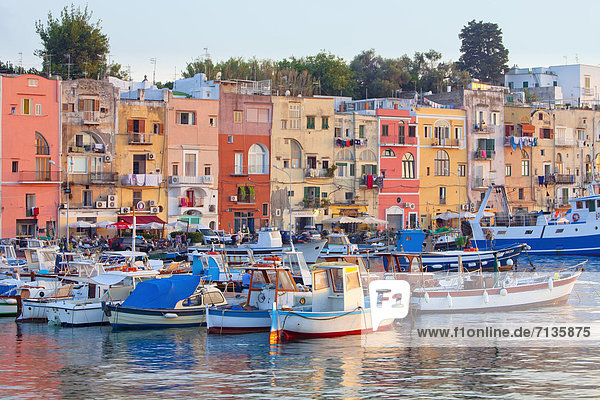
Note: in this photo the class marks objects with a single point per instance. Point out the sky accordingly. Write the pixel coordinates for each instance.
(177, 32)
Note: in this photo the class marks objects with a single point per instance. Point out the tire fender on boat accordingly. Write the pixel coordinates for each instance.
(575, 217)
(426, 297)
(503, 292)
(550, 284)
(486, 297)
(170, 315)
(449, 298)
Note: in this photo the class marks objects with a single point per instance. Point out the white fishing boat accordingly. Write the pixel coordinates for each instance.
(269, 285)
(176, 301)
(338, 306)
(113, 288)
(339, 243)
(482, 291)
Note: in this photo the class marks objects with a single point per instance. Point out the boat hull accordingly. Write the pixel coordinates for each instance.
(495, 299)
(9, 306)
(67, 313)
(141, 318)
(547, 245)
(34, 310)
(292, 325)
(227, 321)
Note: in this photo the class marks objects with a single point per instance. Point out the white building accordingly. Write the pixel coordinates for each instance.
(576, 84)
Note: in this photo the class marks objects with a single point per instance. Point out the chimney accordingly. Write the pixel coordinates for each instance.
(141, 94)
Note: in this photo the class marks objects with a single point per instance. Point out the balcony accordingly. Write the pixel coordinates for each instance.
(93, 178)
(190, 180)
(564, 141)
(184, 202)
(369, 182)
(483, 128)
(481, 183)
(317, 173)
(141, 180)
(91, 117)
(399, 141)
(445, 142)
(136, 138)
(483, 154)
(39, 177)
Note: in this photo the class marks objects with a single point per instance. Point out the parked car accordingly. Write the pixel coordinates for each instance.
(285, 237)
(224, 237)
(125, 244)
(209, 236)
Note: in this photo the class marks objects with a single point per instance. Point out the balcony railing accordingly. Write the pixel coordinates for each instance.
(91, 117)
(445, 142)
(39, 176)
(483, 128)
(189, 180)
(480, 183)
(142, 180)
(317, 173)
(563, 141)
(185, 202)
(400, 140)
(140, 138)
(93, 178)
(370, 181)
(483, 154)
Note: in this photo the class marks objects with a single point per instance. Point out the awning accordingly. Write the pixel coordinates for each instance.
(528, 128)
(142, 219)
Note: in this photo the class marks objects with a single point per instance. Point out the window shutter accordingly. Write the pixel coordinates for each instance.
(142, 126)
(363, 170)
(65, 107)
(81, 104)
(96, 105)
(306, 192)
(160, 129)
(129, 126)
(491, 144)
(551, 134)
(352, 170)
(317, 192)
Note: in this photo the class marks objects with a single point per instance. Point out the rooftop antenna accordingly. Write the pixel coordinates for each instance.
(21, 60)
(153, 61)
(175, 74)
(68, 64)
(206, 57)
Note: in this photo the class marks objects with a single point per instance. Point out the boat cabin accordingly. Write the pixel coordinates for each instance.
(339, 243)
(9, 256)
(274, 285)
(336, 287)
(212, 266)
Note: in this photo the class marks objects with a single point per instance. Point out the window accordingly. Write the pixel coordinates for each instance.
(525, 167)
(257, 159)
(38, 109)
(580, 134)
(261, 115)
(341, 169)
(338, 132)
(29, 204)
(401, 138)
(136, 197)
(324, 122)
(384, 130)
(412, 131)
(442, 195)
(189, 166)
(229, 138)
(352, 169)
(286, 163)
(542, 152)
(207, 171)
(458, 132)
(427, 129)
(136, 126)
(521, 194)
(388, 153)
(237, 117)
(295, 124)
(495, 118)
(32, 82)
(361, 131)
(546, 133)
(462, 170)
(310, 122)
(175, 169)
(367, 155)
(139, 164)
(239, 163)
(86, 196)
(442, 130)
(283, 124)
(26, 106)
(296, 154)
(185, 118)
(311, 162)
(349, 195)
(15, 166)
(295, 110)
(41, 145)
(212, 121)
(369, 169)
(325, 164)
(13, 110)
(156, 128)
(442, 163)
(586, 82)
(427, 171)
(408, 166)
(508, 170)
(525, 84)
(320, 280)
(265, 209)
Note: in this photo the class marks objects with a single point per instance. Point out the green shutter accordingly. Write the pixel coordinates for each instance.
(317, 192)
(352, 170)
(491, 144)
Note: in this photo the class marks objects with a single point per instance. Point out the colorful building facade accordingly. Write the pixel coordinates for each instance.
(30, 140)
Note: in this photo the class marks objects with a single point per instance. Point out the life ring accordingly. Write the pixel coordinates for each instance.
(575, 217)
(274, 258)
(212, 253)
(261, 297)
(302, 301)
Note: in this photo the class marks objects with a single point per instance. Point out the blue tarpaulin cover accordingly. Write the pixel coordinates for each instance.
(162, 293)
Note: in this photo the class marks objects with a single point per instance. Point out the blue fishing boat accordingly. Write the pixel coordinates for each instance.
(176, 301)
(574, 232)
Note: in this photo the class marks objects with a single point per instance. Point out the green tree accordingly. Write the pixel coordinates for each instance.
(9, 68)
(115, 70)
(483, 53)
(73, 39)
(330, 74)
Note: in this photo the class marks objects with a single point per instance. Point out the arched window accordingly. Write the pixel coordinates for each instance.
(257, 159)
(441, 130)
(442, 163)
(296, 154)
(367, 155)
(388, 153)
(408, 166)
(345, 155)
(559, 158)
(86, 142)
(42, 159)
(524, 155)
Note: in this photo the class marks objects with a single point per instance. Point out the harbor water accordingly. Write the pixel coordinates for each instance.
(50, 362)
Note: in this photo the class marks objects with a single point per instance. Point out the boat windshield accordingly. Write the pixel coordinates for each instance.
(320, 280)
(337, 277)
(258, 279)
(285, 281)
(352, 280)
(336, 240)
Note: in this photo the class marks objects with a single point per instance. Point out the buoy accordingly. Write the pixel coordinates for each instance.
(486, 297)
(510, 262)
(170, 315)
(426, 297)
(449, 298)
(503, 292)
(550, 283)
(11, 301)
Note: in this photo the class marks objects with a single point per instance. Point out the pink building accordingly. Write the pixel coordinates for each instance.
(29, 139)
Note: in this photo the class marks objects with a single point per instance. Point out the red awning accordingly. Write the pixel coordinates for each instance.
(528, 128)
(142, 219)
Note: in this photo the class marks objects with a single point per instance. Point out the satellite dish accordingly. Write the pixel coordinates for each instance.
(287, 92)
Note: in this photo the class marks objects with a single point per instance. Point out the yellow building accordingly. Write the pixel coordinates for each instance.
(141, 157)
(442, 162)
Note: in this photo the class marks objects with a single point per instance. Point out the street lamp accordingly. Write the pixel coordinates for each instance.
(459, 203)
(68, 192)
(289, 193)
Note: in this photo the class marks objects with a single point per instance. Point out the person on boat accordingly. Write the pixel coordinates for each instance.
(246, 280)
